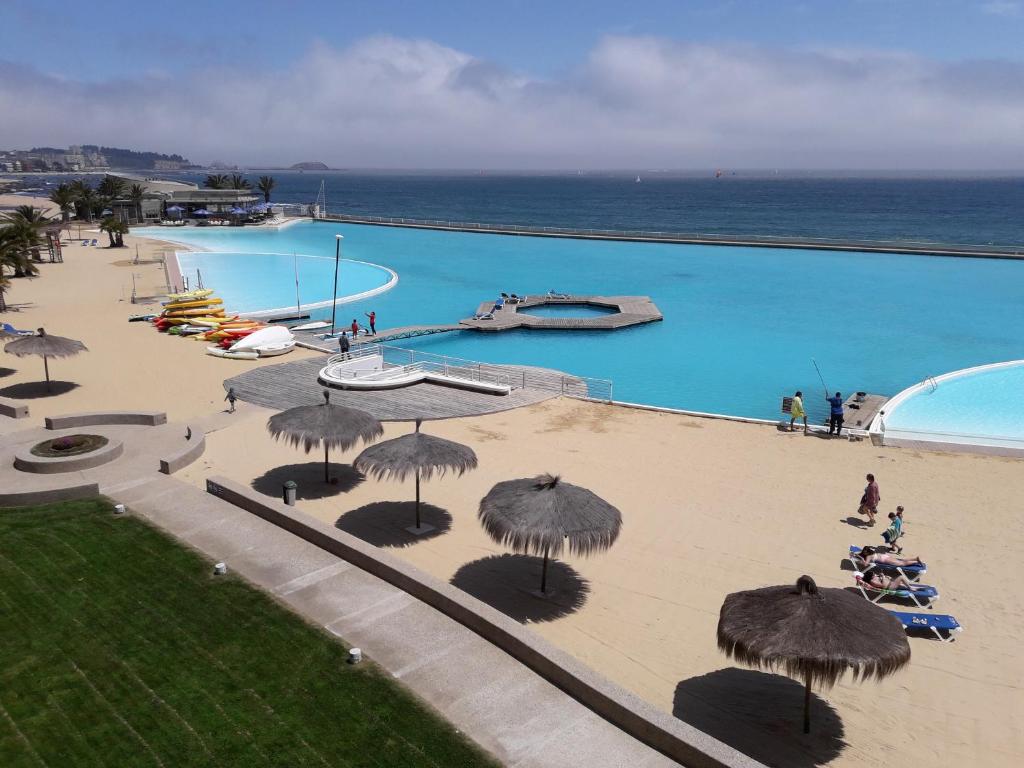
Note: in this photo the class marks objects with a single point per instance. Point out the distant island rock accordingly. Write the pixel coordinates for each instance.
(310, 167)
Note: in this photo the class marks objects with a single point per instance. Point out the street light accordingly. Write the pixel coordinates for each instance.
(337, 260)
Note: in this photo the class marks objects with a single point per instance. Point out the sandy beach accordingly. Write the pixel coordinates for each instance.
(709, 507)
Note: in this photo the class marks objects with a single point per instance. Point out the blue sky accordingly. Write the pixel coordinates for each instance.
(525, 84)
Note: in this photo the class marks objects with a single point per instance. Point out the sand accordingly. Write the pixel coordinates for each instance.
(709, 507)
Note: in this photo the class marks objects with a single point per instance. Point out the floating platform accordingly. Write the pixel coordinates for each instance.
(626, 311)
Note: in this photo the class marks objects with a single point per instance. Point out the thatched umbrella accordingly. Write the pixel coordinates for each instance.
(333, 426)
(46, 346)
(540, 515)
(815, 635)
(416, 454)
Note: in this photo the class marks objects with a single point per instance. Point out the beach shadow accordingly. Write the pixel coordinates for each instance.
(7, 372)
(31, 390)
(846, 565)
(856, 522)
(384, 523)
(895, 601)
(511, 584)
(310, 478)
(761, 715)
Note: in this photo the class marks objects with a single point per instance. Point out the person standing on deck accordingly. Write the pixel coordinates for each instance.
(373, 322)
(355, 329)
(796, 411)
(835, 418)
(344, 346)
(869, 501)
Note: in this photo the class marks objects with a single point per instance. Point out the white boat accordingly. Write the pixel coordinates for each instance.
(637, 179)
(311, 326)
(275, 334)
(273, 350)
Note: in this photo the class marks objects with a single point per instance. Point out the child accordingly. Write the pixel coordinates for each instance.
(231, 397)
(892, 534)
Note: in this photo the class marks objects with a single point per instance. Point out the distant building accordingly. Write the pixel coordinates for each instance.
(160, 194)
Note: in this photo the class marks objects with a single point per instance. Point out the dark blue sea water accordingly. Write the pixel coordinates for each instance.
(954, 210)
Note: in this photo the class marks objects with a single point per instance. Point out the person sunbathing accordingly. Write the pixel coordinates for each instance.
(892, 583)
(875, 555)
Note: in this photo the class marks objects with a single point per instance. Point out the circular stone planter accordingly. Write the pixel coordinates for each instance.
(27, 461)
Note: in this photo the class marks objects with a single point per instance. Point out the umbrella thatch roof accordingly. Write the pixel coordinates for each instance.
(542, 515)
(333, 426)
(44, 345)
(416, 454)
(812, 634)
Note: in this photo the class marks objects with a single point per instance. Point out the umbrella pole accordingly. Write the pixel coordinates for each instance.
(807, 705)
(417, 498)
(544, 574)
(46, 367)
(327, 466)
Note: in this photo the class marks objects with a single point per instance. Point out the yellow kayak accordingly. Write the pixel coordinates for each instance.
(190, 295)
(199, 312)
(173, 305)
(210, 322)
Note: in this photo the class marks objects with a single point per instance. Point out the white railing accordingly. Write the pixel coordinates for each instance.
(512, 376)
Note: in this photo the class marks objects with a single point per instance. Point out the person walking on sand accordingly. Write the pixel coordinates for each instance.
(344, 346)
(796, 411)
(835, 417)
(373, 322)
(355, 329)
(231, 397)
(869, 501)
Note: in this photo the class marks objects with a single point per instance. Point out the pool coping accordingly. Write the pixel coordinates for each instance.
(909, 438)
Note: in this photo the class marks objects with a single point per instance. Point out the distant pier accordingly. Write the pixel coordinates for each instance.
(683, 238)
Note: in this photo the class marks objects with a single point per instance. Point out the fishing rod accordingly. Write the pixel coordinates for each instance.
(823, 384)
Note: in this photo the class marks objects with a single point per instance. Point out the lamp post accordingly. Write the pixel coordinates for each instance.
(337, 260)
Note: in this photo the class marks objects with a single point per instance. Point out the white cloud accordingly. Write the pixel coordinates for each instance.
(1003, 8)
(634, 102)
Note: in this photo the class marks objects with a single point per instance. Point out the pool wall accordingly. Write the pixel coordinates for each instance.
(940, 441)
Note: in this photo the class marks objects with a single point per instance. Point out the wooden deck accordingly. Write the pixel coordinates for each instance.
(859, 415)
(628, 311)
(292, 384)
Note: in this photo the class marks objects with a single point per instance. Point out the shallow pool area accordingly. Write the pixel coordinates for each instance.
(974, 407)
(740, 324)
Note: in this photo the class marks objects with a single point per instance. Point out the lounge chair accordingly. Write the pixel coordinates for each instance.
(554, 295)
(483, 316)
(94, 241)
(941, 624)
(911, 572)
(85, 242)
(16, 332)
(922, 595)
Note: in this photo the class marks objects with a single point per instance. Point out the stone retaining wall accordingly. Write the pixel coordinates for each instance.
(193, 449)
(675, 738)
(49, 495)
(13, 409)
(97, 418)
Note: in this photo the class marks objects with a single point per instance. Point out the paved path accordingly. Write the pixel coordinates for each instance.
(508, 709)
(291, 384)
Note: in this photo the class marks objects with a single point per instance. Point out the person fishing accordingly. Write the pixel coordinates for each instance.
(835, 417)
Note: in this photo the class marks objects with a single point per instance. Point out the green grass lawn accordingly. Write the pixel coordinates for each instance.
(118, 647)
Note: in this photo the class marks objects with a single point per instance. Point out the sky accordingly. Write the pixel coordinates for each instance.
(519, 84)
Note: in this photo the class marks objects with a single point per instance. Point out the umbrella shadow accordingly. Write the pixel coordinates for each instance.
(384, 523)
(309, 476)
(31, 390)
(761, 715)
(856, 522)
(511, 584)
(7, 372)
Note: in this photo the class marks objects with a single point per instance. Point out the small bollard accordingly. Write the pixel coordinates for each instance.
(220, 569)
(119, 509)
(355, 655)
(290, 488)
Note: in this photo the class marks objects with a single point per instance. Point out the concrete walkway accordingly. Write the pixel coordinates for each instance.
(502, 705)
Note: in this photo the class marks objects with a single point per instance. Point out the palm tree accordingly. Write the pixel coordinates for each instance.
(136, 193)
(111, 187)
(266, 186)
(64, 197)
(239, 182)
(216, 181)
(28, 221)
(85, 197)
(14, 250)
(115, 229)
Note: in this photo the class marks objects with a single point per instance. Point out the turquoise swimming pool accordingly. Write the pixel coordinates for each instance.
(981, 405)
(741, 324)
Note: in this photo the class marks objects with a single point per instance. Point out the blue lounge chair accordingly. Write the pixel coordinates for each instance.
(911, 572)
(922, 595)
(94, 241)
(15, 332)
(85, 242)
(941, 624)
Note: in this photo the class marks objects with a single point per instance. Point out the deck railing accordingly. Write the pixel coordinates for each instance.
(515, 377)
(708, 237)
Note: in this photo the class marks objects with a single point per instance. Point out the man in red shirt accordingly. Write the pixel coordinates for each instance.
(373, 322)
(355, 328)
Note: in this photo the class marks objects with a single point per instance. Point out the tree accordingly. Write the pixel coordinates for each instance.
(85, 197)
(239, 182)
(28, 222)
(216, 181)
(135, 194)
(64, 197)
(266, 186)
(115, 229)
(111, 187)
(14, 250)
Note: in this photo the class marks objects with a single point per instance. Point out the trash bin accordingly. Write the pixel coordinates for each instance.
(290, 489)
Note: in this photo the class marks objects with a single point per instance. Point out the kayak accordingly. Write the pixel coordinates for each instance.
(190, 295)
(192, 304)
(198, 312)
